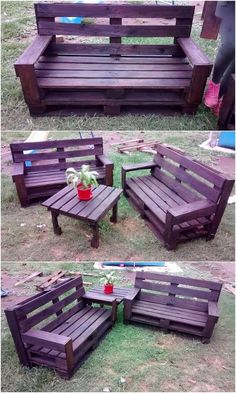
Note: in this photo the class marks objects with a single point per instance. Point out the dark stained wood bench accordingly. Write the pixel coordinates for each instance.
(181, 198)
(69, 327)
(177, 303)
(49, 161)
(118, 74)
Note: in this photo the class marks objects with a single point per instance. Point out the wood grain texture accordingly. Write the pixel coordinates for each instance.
(180, 199)
(174, 303)
(63, 342)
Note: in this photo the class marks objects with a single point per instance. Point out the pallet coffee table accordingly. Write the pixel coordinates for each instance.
(66, 202)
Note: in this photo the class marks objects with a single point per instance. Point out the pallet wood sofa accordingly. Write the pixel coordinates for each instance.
(49, 161)
(180, 199)
(114, 75)
(70, 327)
(176, 303)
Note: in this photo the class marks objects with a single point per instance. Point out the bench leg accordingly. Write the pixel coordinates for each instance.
(36, 110)
(95, 238)
(206, 340)
(111, 109)
(56, 228)
(189, 109)
(114, 213)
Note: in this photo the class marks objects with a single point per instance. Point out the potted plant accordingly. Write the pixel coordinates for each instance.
(108, 282)
(83, 181)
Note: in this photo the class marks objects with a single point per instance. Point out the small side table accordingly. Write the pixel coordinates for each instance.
(96, 295)
(66, 202)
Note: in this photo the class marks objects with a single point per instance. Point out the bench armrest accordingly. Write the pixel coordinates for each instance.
(47, 339)
(136, 167)
(109, 166)
(191, 211)
(18, 169)
(193, 52)
(33, 52)
(105, 161)
(132, 294)
(213, 310)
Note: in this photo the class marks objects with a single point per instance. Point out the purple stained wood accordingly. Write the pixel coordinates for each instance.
(63, 342)
(67, 203)
(46, 175)
(53, 74)
(180, 199)
(174, 303)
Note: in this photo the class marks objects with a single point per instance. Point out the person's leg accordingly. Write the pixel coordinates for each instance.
(224, 81)
(224, 58)
(226, 52)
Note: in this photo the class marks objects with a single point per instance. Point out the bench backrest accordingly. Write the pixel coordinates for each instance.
(117, 21)
(47, 308)
(189, 178)
(57, 154)
(184, 292)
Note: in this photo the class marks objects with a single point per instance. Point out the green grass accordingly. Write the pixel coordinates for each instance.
(129, 239)
(147, 358)
(18, 30)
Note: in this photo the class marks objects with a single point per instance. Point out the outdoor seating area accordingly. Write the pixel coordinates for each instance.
(115, 75)
(118, 196)
(63, 341)
(181, 199)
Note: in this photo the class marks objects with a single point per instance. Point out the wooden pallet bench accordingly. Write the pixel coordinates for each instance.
(49, 161)
(69, 327)
(116, 75)
(177, 303)
(181, 198)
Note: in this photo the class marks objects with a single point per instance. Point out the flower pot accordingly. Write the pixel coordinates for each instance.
(84, 194)
(108, 288)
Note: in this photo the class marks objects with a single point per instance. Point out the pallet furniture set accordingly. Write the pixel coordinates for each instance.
(66, 202)
(115, 75)
(180, 199)
(49, 161)
(71, 326)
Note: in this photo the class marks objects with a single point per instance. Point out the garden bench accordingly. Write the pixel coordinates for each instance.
(115, 74)
(49, 160)
(181, 198)
(69, 327)
(177, 303)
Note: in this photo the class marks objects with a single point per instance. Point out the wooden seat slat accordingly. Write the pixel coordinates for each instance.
(114, 74)
(171, 315)
(124, 60)
(64, 83)
(82, 66)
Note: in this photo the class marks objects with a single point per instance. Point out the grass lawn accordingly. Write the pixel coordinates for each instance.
(147, 358)
(18, 30)
(27, 233)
